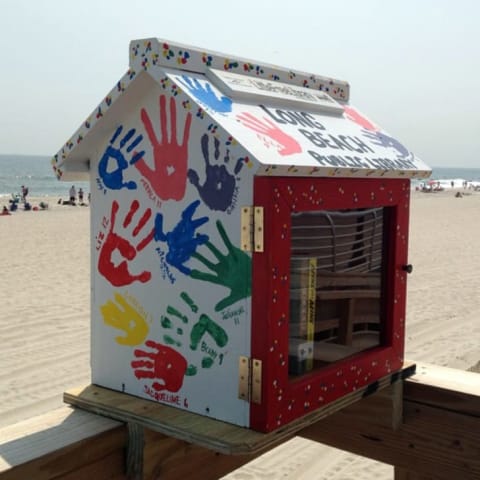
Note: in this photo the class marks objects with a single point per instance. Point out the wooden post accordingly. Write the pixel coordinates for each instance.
(135, 446)
(345, 327)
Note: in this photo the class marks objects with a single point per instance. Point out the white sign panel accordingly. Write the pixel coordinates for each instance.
(278, 135)
(241, 87)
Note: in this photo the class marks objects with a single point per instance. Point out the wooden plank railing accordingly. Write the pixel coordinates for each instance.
(64, 443)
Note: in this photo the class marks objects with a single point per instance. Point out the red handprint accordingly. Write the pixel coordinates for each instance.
(359, 119)
(287, 144)
(119, 275)
(164, 364)
(169, 175)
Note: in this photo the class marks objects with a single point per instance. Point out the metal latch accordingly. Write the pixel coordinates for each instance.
(250, 379)
(251, 229)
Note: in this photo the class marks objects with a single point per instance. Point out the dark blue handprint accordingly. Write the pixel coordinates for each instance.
(378, 138)
(113, 178)
(182, 241)
(218, 190)
(206, 95)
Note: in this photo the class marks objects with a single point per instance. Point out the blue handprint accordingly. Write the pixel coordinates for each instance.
(386, 141)
(182, 241)
(218, 190)
(113, 179)
(206, 95)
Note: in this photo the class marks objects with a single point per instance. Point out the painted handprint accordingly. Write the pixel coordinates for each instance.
(206, 95)
(219, 188)
(182, 241)
(113, 178)
(123, 316)
(119, 274)
(163, 364)
(287, 145)
(373, 133)
(233, 270)
(383, 140)
(168, 176)
(204, 327)
(359, 119)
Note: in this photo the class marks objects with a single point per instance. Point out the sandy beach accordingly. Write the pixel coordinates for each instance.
(44, 316)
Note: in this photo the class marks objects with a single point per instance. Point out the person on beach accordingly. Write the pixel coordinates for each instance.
(13, 203)
(5, 211)
(80, 196)
(73, 195)
(24, 193)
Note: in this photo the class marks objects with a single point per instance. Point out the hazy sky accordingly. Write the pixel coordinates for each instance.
(413, 65)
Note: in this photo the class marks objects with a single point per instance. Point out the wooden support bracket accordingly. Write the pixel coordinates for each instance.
(207, 433)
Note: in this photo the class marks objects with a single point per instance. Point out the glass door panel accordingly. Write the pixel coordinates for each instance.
(336, 263)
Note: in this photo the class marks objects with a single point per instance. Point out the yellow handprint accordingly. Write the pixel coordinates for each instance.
(126, 318)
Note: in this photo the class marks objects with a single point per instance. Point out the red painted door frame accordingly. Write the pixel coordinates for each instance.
(284, 400)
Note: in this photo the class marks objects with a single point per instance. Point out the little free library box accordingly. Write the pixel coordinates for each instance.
(249, 234)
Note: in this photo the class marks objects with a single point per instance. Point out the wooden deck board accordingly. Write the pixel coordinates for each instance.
(438, 439)
(41, 435)
(454, 390)
(203, 431)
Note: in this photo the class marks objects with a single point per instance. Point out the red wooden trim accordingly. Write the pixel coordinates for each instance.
(284, 400)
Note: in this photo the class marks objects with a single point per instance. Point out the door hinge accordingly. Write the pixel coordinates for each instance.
(251, 229)
(250, 379)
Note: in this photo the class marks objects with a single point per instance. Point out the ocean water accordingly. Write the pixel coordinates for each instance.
(36, 173)
(445, 173)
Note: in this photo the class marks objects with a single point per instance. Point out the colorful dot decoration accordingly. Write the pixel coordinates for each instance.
(183, 57)
(120, 87)
(145, 54)
(212, 128)
(164, 82)
(344, 378)
(154, 52)
(207, 59)
(309, 171)
(229, 64)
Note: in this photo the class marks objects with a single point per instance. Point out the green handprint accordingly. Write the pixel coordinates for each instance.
(233, 271)
(204, 325)
(126, 318)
